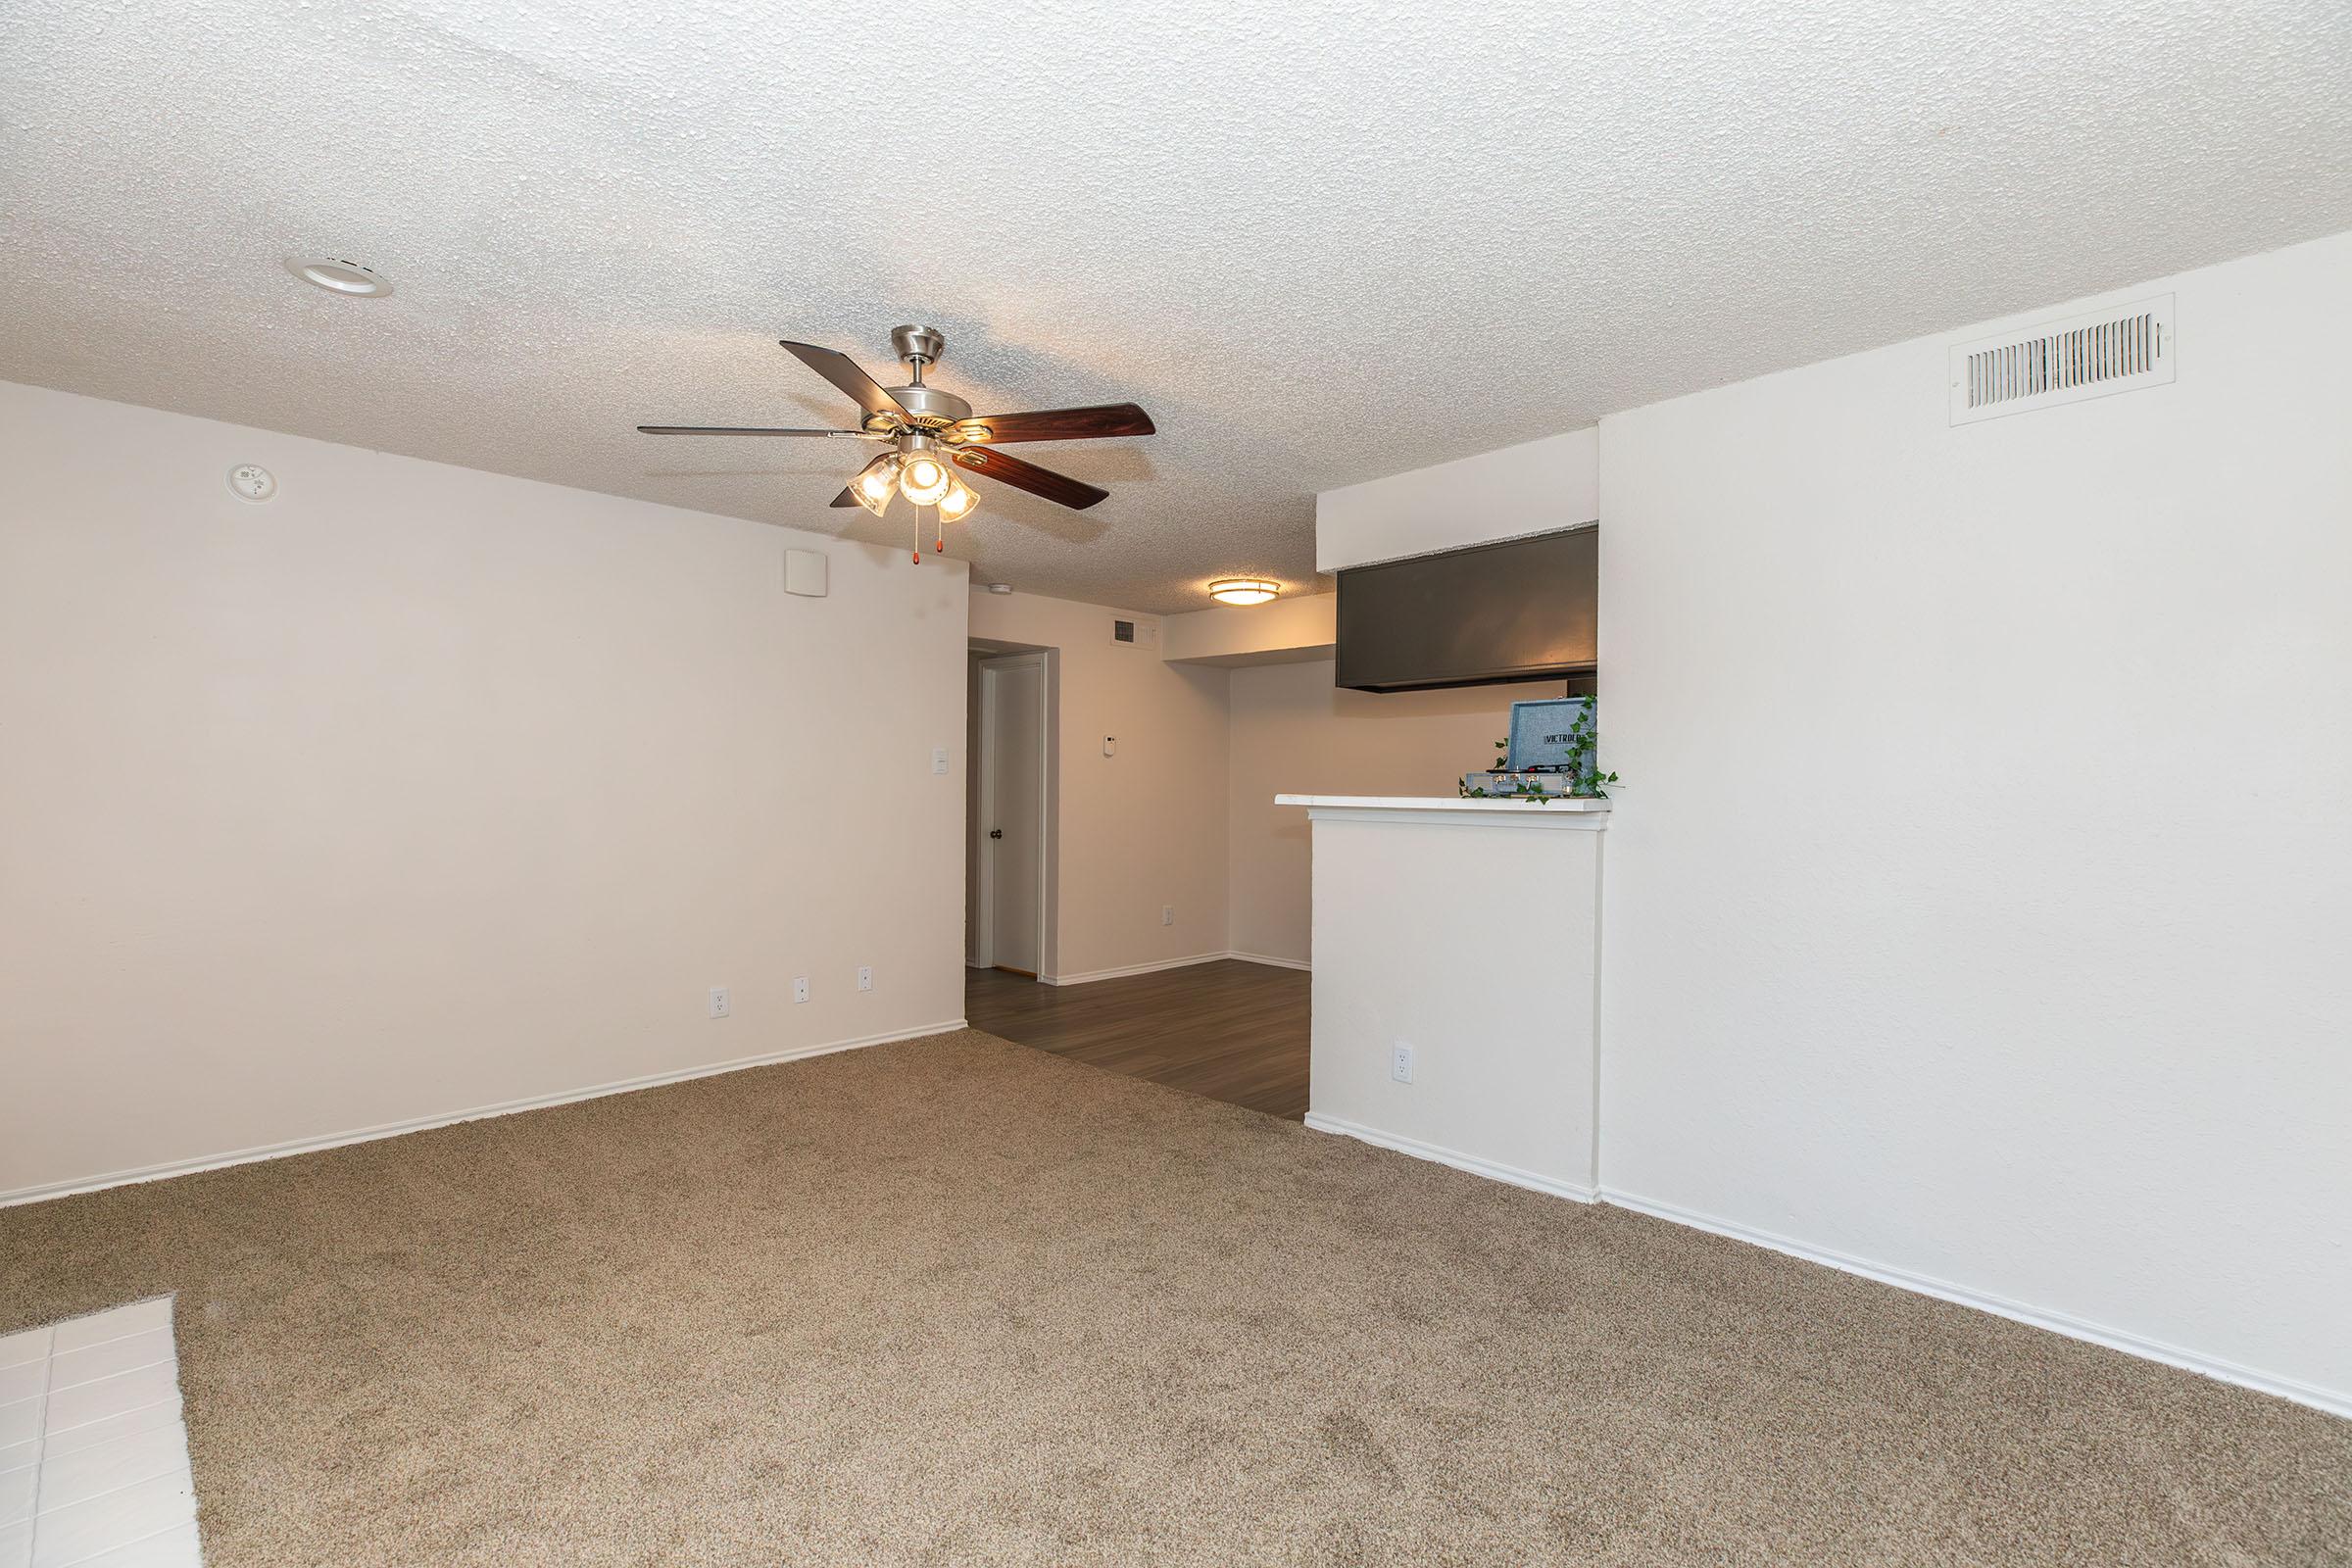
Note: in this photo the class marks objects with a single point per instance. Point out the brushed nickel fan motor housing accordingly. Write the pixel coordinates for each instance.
(924, 343)
(927, 408)
(930, 408)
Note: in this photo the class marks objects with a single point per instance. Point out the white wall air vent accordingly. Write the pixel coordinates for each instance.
(2120, 349)
(1143, 633)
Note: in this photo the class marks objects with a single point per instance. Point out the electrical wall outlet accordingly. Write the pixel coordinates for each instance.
(865, 977)
(800, 988)
(1167, 914)
(718, 1001)
(1400, 1063)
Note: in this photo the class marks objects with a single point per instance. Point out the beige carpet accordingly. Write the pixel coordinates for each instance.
(959, 1301)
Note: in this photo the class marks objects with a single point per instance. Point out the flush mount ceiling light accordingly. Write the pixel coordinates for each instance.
(932, 433)
(1243, 590)
(341, 277)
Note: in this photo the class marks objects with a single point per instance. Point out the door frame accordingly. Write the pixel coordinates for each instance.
(984, 906)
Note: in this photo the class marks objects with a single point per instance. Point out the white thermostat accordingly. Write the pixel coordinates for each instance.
(253, 481)
(805, 574)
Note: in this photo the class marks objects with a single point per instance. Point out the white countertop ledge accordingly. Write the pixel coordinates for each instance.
(1452, 809)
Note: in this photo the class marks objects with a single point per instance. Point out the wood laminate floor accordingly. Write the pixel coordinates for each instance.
(1229, 1030)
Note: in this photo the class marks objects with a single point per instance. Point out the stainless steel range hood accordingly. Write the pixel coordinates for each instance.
(1521, 609)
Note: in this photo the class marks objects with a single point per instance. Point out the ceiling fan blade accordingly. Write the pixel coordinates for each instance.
(845, 499)
(1029, 476)
(739, 429)
(1058, 424)
(843, 373)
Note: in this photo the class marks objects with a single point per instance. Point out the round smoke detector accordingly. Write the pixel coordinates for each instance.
(339, 276)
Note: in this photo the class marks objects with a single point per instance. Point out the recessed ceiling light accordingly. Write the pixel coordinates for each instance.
(339, 277)
(1243, 590)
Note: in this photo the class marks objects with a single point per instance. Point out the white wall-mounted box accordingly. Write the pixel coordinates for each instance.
(805, 572)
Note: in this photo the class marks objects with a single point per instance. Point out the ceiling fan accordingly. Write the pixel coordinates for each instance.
(931, 433)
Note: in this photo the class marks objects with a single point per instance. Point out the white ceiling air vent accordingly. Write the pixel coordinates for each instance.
(2120, 349)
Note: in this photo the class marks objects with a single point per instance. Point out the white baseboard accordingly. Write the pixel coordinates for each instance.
(2073, 1328)
(1132, 968)
(1448, 1156)
(1267, 958)
(2332, 1402)
(1166, 963)
(393, 1129)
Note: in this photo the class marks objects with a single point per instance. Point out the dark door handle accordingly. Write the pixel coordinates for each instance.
(996, 832)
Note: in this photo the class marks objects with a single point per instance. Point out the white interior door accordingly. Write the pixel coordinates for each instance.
(1012, 798)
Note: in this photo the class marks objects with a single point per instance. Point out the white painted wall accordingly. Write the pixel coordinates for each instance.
(1144, 828)
(1535, 487)
(1469, 934)
(1294, 732)
(418, 790)
(1981, 889)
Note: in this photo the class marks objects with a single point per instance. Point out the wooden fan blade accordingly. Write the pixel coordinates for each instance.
(843, 373)
(1058, 424)
(736, 429)
(845, 499)
(1029, 476)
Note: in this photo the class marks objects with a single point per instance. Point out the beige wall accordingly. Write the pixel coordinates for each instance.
(1284, 629)
(416, 789)
(971, 798)
(1294, 732)
(1144, 828)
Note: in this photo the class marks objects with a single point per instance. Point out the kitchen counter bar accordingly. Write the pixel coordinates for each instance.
(1456, 942)
(1560, 811)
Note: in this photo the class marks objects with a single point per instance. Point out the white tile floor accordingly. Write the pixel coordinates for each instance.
(93, 1455)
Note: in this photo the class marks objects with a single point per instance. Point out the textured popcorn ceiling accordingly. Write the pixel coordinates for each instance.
(1320, 242)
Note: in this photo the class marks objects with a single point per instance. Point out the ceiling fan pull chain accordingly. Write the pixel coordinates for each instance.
(939, 532)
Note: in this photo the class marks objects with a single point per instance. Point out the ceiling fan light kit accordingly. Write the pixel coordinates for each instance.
(877, 483)
(932, 433)
(923, 479)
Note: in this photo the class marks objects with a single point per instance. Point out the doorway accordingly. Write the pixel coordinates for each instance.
(1010, 784)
